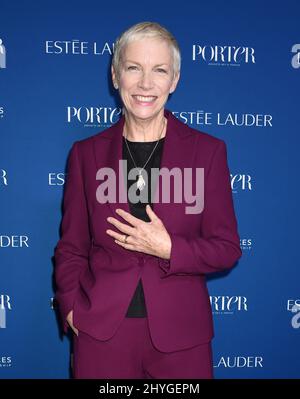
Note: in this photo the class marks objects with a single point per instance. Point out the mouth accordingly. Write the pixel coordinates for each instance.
(144, 100)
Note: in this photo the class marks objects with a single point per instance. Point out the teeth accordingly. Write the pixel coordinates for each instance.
(145, 99)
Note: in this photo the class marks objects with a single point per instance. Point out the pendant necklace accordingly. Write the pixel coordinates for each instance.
(141, 182)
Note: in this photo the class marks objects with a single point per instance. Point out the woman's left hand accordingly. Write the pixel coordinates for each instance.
(149, 237)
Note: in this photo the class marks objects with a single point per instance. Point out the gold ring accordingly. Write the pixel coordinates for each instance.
(126, 236)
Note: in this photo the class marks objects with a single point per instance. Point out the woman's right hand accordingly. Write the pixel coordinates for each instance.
(70, 321)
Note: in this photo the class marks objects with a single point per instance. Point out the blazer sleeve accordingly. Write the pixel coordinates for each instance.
(72, 250)
(218, 246)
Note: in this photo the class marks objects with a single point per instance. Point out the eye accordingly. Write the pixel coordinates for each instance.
(131, 66)
(161, 70)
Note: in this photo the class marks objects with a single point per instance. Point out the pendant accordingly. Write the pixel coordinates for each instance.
(141, 182)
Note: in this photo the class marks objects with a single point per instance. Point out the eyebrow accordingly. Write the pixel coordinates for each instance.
(135, 62)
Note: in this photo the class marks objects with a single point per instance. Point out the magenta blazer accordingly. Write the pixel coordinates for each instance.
(97, 278)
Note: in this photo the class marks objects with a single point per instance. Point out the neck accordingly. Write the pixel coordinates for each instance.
(136, 129)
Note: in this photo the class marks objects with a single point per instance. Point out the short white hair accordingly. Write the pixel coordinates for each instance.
(141, 30)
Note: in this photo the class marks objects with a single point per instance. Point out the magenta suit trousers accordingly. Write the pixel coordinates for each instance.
(130, 354)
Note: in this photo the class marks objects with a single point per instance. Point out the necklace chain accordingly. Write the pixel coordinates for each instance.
(141, 182)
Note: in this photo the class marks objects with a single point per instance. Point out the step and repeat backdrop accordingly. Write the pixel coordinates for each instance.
(240, 81)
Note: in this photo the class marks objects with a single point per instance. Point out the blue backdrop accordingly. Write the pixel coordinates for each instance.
(239, 81)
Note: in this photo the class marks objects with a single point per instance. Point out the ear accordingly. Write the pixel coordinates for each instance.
(114, 77)
(174, 83)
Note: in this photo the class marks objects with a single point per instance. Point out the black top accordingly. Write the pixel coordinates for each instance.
(140, 152)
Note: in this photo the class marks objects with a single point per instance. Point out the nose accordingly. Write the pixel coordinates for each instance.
(146, 82)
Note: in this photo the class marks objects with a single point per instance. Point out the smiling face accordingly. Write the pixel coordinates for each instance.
(146, 77)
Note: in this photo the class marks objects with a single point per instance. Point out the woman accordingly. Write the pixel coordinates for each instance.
(130, 271)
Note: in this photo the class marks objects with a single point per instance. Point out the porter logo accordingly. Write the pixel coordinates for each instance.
(228, 304)
(93, 116)
(240, 182)
(223, 55)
